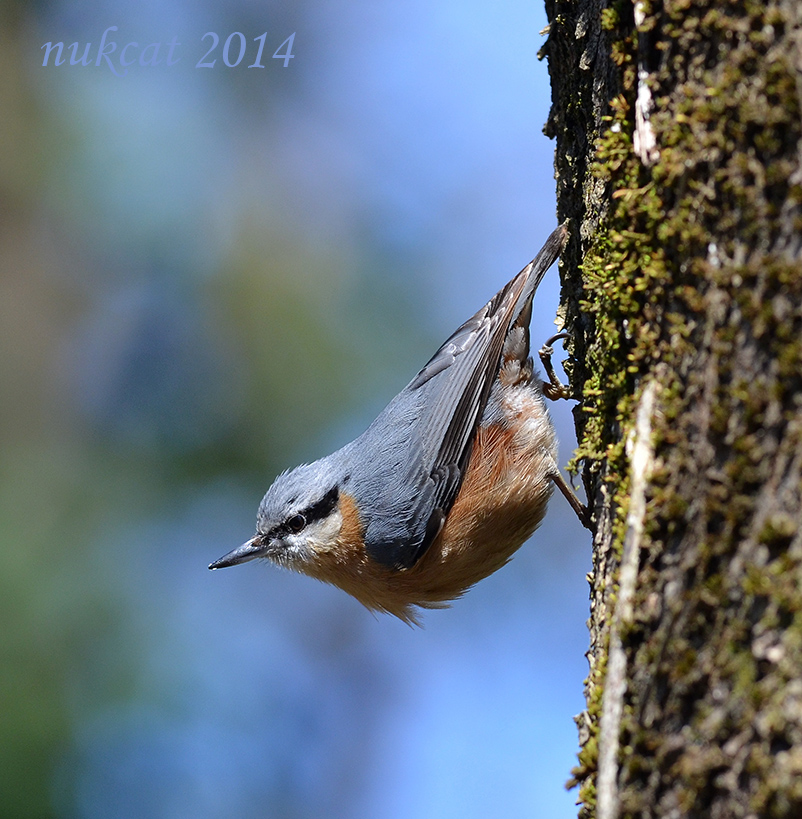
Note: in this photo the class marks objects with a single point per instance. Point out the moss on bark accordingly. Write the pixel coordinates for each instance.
(684, 267)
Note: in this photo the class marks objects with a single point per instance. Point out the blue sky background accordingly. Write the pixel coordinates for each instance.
(210, 275)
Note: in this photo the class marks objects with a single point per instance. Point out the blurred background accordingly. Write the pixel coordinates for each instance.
(206, 276)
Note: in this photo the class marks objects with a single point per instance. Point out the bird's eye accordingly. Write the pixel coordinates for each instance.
(296, 523)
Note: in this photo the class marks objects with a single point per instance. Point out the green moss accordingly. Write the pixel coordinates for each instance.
(659, 297)
(588, 758)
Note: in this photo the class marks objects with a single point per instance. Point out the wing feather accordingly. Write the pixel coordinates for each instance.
(449, 395)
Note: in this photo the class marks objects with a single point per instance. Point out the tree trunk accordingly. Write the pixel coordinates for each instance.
(679, 168)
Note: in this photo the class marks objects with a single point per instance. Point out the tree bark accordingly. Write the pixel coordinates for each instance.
(678, 131)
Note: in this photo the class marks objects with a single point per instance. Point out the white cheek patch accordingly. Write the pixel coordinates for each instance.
(322, 534)
(318, 536)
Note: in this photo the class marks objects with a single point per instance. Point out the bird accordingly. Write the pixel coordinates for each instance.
(444, 486)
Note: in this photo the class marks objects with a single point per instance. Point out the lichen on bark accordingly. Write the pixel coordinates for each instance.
(684, 269)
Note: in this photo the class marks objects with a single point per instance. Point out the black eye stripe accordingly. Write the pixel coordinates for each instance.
(317, 511)
(324, 507)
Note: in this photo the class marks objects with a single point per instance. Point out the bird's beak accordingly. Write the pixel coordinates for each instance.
(249, 550)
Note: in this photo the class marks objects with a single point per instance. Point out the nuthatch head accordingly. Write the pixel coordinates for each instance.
(443, 487)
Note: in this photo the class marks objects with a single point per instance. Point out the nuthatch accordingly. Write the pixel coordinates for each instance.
(443, 487)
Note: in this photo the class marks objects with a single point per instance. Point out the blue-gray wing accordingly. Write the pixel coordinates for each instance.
(423, 439)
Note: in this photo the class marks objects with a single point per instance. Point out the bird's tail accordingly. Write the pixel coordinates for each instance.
(515, 362)
(535, 271)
